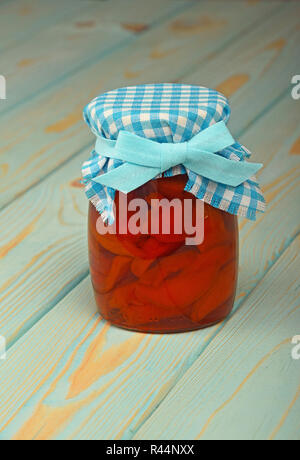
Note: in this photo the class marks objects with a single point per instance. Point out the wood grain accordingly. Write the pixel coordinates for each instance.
(76, 41)
(245, 385)
(43, 249)
(68, 374)
(68, 398)
(34, 249)
(29, 17)
(258, 67)
(50, 128)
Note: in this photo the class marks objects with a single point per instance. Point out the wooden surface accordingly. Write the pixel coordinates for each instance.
(67, 373)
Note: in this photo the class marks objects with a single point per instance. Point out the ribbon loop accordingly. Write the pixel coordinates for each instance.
(145, 159)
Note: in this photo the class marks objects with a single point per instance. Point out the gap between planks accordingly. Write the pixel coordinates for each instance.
(191, 360)
(266, 109)
(97, 57)
(40, 23)
(193, 374)
(215, 54)
(219, 330)
(79, 278)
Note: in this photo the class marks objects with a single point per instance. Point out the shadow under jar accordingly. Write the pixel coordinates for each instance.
(155, 282)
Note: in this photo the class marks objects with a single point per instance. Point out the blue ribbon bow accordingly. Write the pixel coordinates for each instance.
(145, 159)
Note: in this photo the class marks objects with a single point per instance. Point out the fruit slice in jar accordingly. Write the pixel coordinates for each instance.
(187, 260)
(122, 296)
(147, 247)
(167, 266)
(113, 244)
(106, 282)
(178, 291)
(108, 241)
(215, 230)
(140, 266)
(223, 288)
(100, 259)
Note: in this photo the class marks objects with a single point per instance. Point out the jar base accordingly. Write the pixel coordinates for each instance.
(161, 330)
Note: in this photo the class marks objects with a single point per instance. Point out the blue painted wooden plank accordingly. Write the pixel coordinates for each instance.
(165, 54)
(82, 406)
(82, 379)
(74, 42)
(245, 385)
(40, 234)
(34, 248)
(23, 18)
(268, 54)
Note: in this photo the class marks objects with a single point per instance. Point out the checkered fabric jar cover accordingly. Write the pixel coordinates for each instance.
(166, 113)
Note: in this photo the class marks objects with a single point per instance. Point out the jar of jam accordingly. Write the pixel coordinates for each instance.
(165, 165)
(156, 282)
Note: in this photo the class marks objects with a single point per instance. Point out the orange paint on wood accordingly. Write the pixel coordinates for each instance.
(232, 84)
(66, 123)
(287, 181)
(286, 176)
(26, 62)
(129, 74)
(277, 45)
(158, 53)
(137, 28)
(203, 23)
(295, 149)
(24, 273)
(26, 10)
(76, 183)
(47, 421)
(4, 250)
(85, 24)
(4, 169)
(98, 362)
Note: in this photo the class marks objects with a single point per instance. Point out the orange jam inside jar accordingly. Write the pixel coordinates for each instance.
(156, 282)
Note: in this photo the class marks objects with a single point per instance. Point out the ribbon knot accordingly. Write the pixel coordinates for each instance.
(170, 157)
(145, 159)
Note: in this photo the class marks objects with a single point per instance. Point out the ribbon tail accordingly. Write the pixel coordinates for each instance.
(127, 177)
(222, 170)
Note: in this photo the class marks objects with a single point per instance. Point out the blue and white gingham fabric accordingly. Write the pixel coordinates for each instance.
(166, 113)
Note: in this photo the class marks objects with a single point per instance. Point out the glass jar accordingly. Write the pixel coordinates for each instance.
(156, 282)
